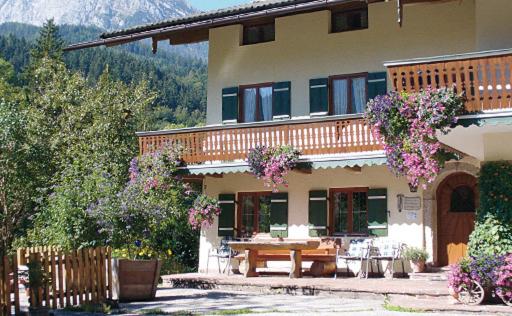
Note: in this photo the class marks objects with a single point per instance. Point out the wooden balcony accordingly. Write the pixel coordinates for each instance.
(484, 77)
(325, 136)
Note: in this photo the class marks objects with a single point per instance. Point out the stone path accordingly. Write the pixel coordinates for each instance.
(215, 302)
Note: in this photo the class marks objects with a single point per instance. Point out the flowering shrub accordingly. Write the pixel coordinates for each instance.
(504, 279)
(140, 220)
(272, 164)
(459, 276)
(407, 122)
(202, 214)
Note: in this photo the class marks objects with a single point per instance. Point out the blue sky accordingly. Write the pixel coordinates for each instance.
(205, 5)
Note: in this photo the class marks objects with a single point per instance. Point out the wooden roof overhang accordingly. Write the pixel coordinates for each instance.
(196, 28)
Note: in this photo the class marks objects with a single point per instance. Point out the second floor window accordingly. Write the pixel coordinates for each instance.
(256, 103)
(348, 94)
(260, 33)
(349, 20)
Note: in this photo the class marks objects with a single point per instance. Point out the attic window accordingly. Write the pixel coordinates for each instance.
(344, 21)
(260, 33)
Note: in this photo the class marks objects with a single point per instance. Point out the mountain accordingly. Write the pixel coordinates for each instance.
(104, 14)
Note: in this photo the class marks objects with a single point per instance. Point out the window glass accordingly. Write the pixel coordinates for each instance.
(462, 199)
(348, 94)
(254, 34)
(350, 20)
(266, 103)
(250, 105)
(340, 96)
(340, 212)
(264, 214)
(248, 210)
(358, 95)
(359, 213)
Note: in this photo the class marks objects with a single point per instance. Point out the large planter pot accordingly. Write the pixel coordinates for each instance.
(137, 280)
(417, 266)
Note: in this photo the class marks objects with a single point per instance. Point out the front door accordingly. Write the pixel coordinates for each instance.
(457, 200)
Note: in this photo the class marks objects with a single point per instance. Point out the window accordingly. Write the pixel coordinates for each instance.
(348, 94)
(261, 33)
(462, 199)
(343, 21)
(254, 213)
(349, 211)
(256, 103)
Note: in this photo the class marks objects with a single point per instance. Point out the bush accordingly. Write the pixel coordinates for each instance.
(496, 191)
(490, 237)
(416, 254)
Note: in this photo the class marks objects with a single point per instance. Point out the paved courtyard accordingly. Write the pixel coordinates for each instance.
(218, 302)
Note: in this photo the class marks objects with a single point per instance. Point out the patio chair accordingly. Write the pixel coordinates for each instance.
(390, 250)
(222, 252)
(359, 250)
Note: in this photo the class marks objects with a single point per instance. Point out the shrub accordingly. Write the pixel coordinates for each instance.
(496, 191)
(490, 237)
(416, 254)
(504, 279)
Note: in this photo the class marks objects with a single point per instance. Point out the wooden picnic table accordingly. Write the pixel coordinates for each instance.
(250, 249)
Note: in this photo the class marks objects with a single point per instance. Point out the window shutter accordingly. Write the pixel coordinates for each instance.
(378, 212)
(230, 105)
(279, 215)
(317, 213)
(282, 100)
(227, 215)
(318, 96)
(377, 84)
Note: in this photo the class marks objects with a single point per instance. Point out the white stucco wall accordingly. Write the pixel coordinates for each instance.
(493, 24)
(304, 49)
(400, 227)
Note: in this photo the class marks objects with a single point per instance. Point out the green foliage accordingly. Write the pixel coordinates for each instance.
(492, 236)
(495, 185)
(416, 254)
(48, 44)
(6, 71)
(179, 80)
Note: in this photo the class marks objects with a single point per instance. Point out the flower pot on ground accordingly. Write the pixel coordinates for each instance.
(137, 280)
(417, 257)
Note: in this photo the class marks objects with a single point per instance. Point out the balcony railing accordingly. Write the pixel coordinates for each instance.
(326, 136)
(485, 77)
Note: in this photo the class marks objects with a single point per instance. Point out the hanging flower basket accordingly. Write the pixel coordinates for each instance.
(407, 124)
(272, 164)
(203, 213)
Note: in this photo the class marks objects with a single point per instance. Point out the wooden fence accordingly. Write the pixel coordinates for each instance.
(65, 278)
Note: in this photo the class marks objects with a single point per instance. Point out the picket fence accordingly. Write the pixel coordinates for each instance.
(67, 278)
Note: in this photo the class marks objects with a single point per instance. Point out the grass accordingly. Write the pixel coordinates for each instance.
(396, 308)
(90, 308)
(158, 311)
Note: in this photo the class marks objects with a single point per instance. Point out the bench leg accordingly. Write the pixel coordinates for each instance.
(296, 258)
(250, 263)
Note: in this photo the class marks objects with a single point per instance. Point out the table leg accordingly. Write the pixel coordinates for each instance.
(250, 262)
(296, 258)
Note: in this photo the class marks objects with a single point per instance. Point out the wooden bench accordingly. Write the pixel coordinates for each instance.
(323, 258)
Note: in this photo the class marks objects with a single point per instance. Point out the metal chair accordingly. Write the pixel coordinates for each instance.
(390, 250)
(222, 252)
(359, 250)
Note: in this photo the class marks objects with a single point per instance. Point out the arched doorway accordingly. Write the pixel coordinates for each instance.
(457, 200)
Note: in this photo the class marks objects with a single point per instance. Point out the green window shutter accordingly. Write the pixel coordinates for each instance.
(282, 99)
(377, 84)
(279, 215)
(378, 212)
(230, 105)
(317, 213)
(227, 215)
(319, 96)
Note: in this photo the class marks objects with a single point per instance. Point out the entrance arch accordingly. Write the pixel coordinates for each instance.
(457, 200)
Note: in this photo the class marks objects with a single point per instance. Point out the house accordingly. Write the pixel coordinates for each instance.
(300, 73)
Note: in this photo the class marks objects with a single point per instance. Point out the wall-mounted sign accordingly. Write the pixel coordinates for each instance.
(412, 203)
(411, 215)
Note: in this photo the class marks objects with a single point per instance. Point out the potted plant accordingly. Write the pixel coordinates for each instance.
(417, 257)
(137, 223)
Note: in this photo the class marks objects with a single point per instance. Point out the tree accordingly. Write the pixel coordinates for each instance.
(49, 44)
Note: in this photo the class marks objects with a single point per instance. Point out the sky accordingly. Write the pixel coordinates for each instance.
(205, 5)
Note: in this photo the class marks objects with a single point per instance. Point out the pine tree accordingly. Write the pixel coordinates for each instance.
(49, 44)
